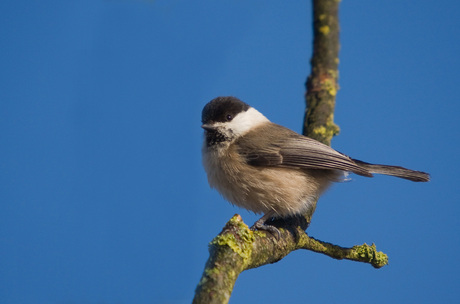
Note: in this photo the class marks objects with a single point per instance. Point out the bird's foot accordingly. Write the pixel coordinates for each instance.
(260, 225)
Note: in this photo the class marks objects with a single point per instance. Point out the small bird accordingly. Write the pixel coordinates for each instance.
(269, 169)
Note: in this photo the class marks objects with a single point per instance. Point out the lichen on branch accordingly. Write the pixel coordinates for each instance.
(238, 248)
(322, 84)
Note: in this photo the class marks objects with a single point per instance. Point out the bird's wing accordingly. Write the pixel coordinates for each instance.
(292, 150)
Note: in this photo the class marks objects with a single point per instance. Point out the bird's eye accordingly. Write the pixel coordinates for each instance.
(229, 117)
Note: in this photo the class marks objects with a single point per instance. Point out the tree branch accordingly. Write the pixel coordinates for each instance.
(237, 248)
(322, 84)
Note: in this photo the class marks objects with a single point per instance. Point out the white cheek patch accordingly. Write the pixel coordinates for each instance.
(245, 121)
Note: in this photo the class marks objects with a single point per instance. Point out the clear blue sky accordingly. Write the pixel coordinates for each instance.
(103, 198)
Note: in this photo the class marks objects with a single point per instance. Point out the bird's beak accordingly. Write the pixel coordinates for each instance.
(208, 127)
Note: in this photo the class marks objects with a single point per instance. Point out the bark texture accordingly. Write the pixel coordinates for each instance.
(322, 84)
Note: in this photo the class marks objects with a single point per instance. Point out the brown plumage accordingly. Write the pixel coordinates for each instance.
(267, 168)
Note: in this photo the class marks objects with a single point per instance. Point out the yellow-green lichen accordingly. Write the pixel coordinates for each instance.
(209, 273)
(241, 242)
(334, 73)
(260, 233)
(324, 29)
(321, 131)
(332, 90)
(364, 251)
(369, 253)
(330, 85)
(381, 259)
(328, 131)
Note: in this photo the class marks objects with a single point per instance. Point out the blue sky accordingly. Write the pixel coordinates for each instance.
(103, 198)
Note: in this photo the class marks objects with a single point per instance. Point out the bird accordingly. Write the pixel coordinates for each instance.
(271, 170)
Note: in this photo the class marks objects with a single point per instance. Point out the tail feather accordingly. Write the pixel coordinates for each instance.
(415, 176)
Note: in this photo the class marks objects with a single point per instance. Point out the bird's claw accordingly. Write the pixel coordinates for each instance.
(260, 225)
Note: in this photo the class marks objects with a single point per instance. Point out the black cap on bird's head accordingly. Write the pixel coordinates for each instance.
(222, 109)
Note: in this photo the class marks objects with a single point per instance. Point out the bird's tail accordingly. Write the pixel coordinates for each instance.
(415, 176)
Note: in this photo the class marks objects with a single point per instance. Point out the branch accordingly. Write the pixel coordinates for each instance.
(237, 248)
(322, 84)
